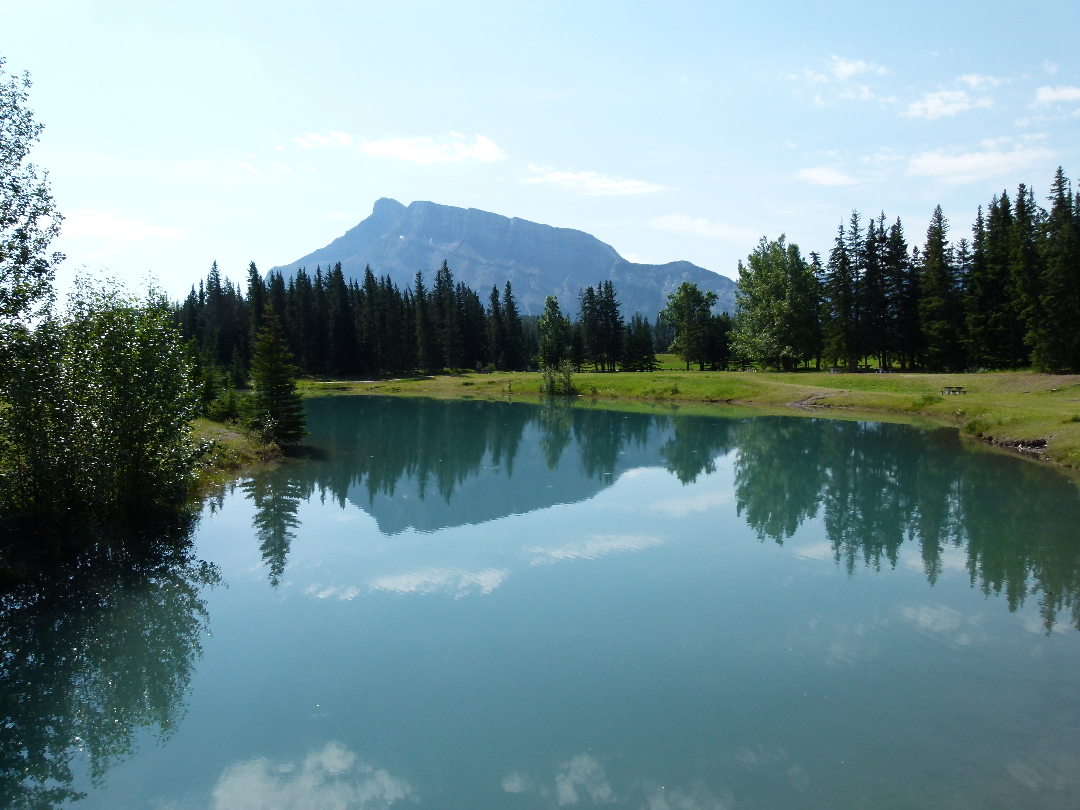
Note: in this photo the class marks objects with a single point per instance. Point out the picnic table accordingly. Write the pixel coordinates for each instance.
(952, 389)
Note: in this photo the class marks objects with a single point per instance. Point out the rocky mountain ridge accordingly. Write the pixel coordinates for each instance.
(485, 249)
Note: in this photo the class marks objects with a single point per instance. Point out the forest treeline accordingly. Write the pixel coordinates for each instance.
(1007, 298)
(338, 327)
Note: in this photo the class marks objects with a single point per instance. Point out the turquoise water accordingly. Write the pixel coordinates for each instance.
(471, 605)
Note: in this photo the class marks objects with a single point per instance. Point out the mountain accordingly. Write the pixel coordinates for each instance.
(485, 249)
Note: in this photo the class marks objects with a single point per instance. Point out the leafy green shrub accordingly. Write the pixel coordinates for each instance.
(558, 379)
(96, 405)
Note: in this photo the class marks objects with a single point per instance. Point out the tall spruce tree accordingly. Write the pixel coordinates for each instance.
(905, 336)
(841, 323)
(1025, 270)
(428, 356)
(516, 351)
(1057, 330)
(875, 293)
(496, 330)
(940, 312)
(343, 346)
(279, 411)
(555, 334)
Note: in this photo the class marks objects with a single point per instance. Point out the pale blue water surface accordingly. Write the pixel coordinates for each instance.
(473, 605)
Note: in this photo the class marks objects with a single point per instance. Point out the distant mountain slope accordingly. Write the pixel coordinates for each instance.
(486, 249)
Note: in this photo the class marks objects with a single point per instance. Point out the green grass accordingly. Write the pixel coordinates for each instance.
(1002, 408)
(231, 450)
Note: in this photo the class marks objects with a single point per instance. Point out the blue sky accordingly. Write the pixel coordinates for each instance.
(181, 133)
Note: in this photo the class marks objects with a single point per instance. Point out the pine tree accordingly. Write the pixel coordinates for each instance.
(1057, 333)
(496, 330)
(279, 411)
(904, 331)
(428, 357)
(555, 334)
(841, 313)
(1025, 270)
(874, 292)
(516, 351)
(343, 346)
(447, 318)
(940, 313)
(256, 297)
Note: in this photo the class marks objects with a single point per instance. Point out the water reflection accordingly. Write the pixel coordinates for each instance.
(429, 465)
(332, 777)
(879, 485)
(92, 656)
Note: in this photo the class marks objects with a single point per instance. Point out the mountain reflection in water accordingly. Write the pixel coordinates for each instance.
(427, 465)
(101, 656)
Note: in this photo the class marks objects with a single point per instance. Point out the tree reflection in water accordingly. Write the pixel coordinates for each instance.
(874, 486)
(878, 485)
(93, 655)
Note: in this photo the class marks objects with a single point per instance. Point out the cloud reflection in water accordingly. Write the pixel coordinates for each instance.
(330, 779)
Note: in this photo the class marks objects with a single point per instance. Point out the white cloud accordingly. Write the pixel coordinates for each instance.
(681, 507)
(1052, 95)
(1049, 67)
(681, 223)
(970, 166)
(445, 580)
(344, 592)
(598, 545)
(944, 102)
(515, 783)
(591, 182)
(825, 176)
(330, 778)
(935, 618)
(977, 81)
(247, 167)
(583, 771)
(114, 226)
(844, 69)
(429, 150)
(332, 138)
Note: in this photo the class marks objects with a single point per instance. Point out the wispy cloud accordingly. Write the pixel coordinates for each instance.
(825, 176)
(943, 103)
(597, 545)
(977, 81)
(443, 580)
(844, 69)
(591, 182)
(681, 223)
(430, 150)
(114, 226)
(331, 138)
(967, 167)
(1053, 95)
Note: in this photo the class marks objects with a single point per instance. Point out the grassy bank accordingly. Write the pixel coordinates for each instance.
(231, 449)
(1037, 415)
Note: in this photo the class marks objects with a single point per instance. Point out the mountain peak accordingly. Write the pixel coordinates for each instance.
(485, 249)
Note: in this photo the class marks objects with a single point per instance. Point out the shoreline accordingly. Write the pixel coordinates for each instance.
(1026, 414)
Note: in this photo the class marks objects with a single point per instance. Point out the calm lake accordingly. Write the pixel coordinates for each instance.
(489, 605)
